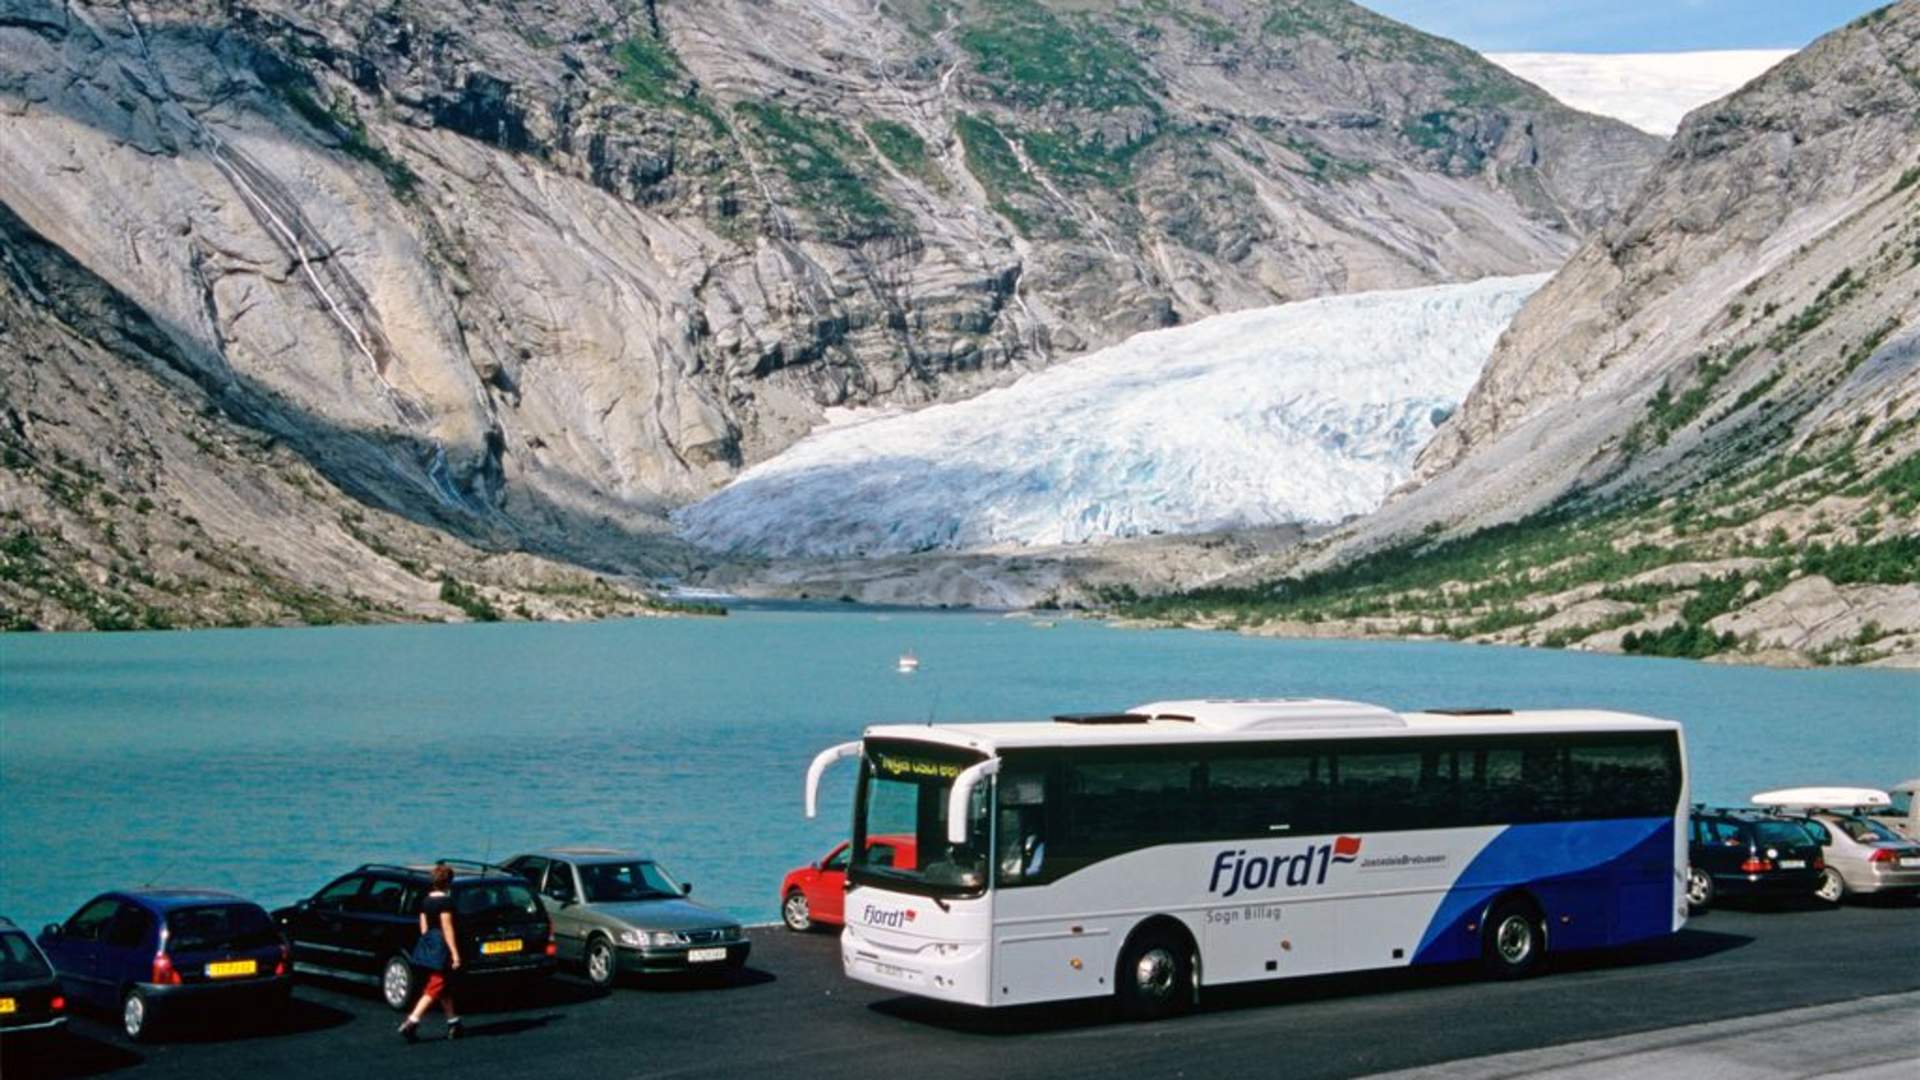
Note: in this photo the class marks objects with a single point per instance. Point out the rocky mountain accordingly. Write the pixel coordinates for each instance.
(1702, 436)
(530, 273)
(133, 496)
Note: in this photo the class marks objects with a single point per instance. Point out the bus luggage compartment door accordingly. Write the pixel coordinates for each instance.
(1052, 963)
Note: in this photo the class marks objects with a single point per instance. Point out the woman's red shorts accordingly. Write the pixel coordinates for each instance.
(436, 984)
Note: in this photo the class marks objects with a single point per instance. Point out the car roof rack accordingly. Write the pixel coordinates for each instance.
(477, 866)
(466, 866)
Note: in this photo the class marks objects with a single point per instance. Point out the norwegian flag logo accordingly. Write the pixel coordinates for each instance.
(1346, 848)
(912, 914)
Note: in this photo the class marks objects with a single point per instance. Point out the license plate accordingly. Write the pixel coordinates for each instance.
(1910, 861)
(1793, 864)
(8, 1005)
(495, 948)
(893, 972)
(227, 969)
(705, 956)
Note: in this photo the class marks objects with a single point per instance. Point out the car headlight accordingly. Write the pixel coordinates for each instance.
(633, 937)
(730, 933)
(662, 939)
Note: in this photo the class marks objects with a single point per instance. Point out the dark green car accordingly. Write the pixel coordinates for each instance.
(617, 913)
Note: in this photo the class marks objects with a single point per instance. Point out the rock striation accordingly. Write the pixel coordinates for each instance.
(1727, 374)
(531, 273)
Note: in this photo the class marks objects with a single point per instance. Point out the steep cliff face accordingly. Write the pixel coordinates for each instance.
(1758, 290)
(532, 272)
(1702, 436)
(137, 491)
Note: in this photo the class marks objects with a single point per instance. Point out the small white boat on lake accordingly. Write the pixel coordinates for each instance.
(908, 663)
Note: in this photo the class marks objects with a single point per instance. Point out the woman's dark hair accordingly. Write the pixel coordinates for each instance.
(442, 877)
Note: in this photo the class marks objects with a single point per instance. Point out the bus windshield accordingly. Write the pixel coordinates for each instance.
(903, 793)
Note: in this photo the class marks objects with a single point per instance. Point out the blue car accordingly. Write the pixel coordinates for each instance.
(153, 954)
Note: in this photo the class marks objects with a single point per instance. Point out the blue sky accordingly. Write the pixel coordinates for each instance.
(1625, 25)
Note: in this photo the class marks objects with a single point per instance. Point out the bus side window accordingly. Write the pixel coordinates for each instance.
(1021, 829)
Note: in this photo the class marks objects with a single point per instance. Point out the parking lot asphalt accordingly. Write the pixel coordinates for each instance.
(793, 1014)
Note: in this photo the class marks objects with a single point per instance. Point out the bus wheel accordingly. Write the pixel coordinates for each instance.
(1154, 978)
(1515, 942)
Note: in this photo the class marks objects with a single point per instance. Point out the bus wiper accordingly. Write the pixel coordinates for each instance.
(944, 906)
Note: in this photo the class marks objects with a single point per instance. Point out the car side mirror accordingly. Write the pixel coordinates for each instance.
(814, 865)
(686, 888)
(54, 930)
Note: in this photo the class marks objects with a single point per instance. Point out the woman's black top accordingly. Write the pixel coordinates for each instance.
(432, 953)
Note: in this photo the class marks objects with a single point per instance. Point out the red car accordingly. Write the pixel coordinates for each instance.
(814, 895)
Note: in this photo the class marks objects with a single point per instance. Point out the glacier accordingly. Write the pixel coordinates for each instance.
(1307, 412)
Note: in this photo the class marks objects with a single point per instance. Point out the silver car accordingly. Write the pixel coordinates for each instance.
(617, 913)
(1903, 816)
(1863, 856)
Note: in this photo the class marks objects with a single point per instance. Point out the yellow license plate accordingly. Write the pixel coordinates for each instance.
(227, 969)
(8, 1005)
(495, 948)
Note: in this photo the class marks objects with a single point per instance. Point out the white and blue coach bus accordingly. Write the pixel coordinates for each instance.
(1185, 844)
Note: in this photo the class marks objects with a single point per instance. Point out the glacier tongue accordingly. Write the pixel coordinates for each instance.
(1307, 412)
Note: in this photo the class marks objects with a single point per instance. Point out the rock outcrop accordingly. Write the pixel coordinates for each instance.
(531, 273)
(137, 491)
(1710, 417)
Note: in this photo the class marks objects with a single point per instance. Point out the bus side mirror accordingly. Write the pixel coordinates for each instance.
(686, 888)
(820, 762)
(962, 795)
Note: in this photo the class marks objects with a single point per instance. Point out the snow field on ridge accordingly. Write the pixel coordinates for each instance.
(1308, 412)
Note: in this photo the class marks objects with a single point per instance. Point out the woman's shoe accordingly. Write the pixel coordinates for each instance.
(410, 1030)
(453, 1029)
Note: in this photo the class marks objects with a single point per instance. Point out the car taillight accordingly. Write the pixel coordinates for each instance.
(1818, 863)
(553, 949)
(1756, 866)
(163, 972)
(280, 968)
(1881, 855)
(58, 1003)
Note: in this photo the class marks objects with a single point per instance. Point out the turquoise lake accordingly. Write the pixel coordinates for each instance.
(268, 761)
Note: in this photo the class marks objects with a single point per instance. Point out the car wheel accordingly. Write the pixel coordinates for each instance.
(1699, 888)
(796, 913)
(1154, 978)
(396, 983)
(600, 962)
(136, 1016)
(1515, 941)
(1832, 887)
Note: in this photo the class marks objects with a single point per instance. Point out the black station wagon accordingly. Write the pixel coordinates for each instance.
(362, 928)
(1744, 853)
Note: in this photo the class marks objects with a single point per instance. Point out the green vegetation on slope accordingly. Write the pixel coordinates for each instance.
(1028, 56)
(991, 160)
(828, 167)
(1499, 579)
(652, 72)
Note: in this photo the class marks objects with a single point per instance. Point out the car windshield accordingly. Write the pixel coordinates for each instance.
(19, 960)
(615, 882)
(1782, 833)
(1864, 831)
(903, 793)
(219, 926)
(495, 898)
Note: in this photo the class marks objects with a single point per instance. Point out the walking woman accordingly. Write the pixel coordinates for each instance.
(438, 952)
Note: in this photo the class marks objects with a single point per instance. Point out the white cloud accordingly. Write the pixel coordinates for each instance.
(1651, 91)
